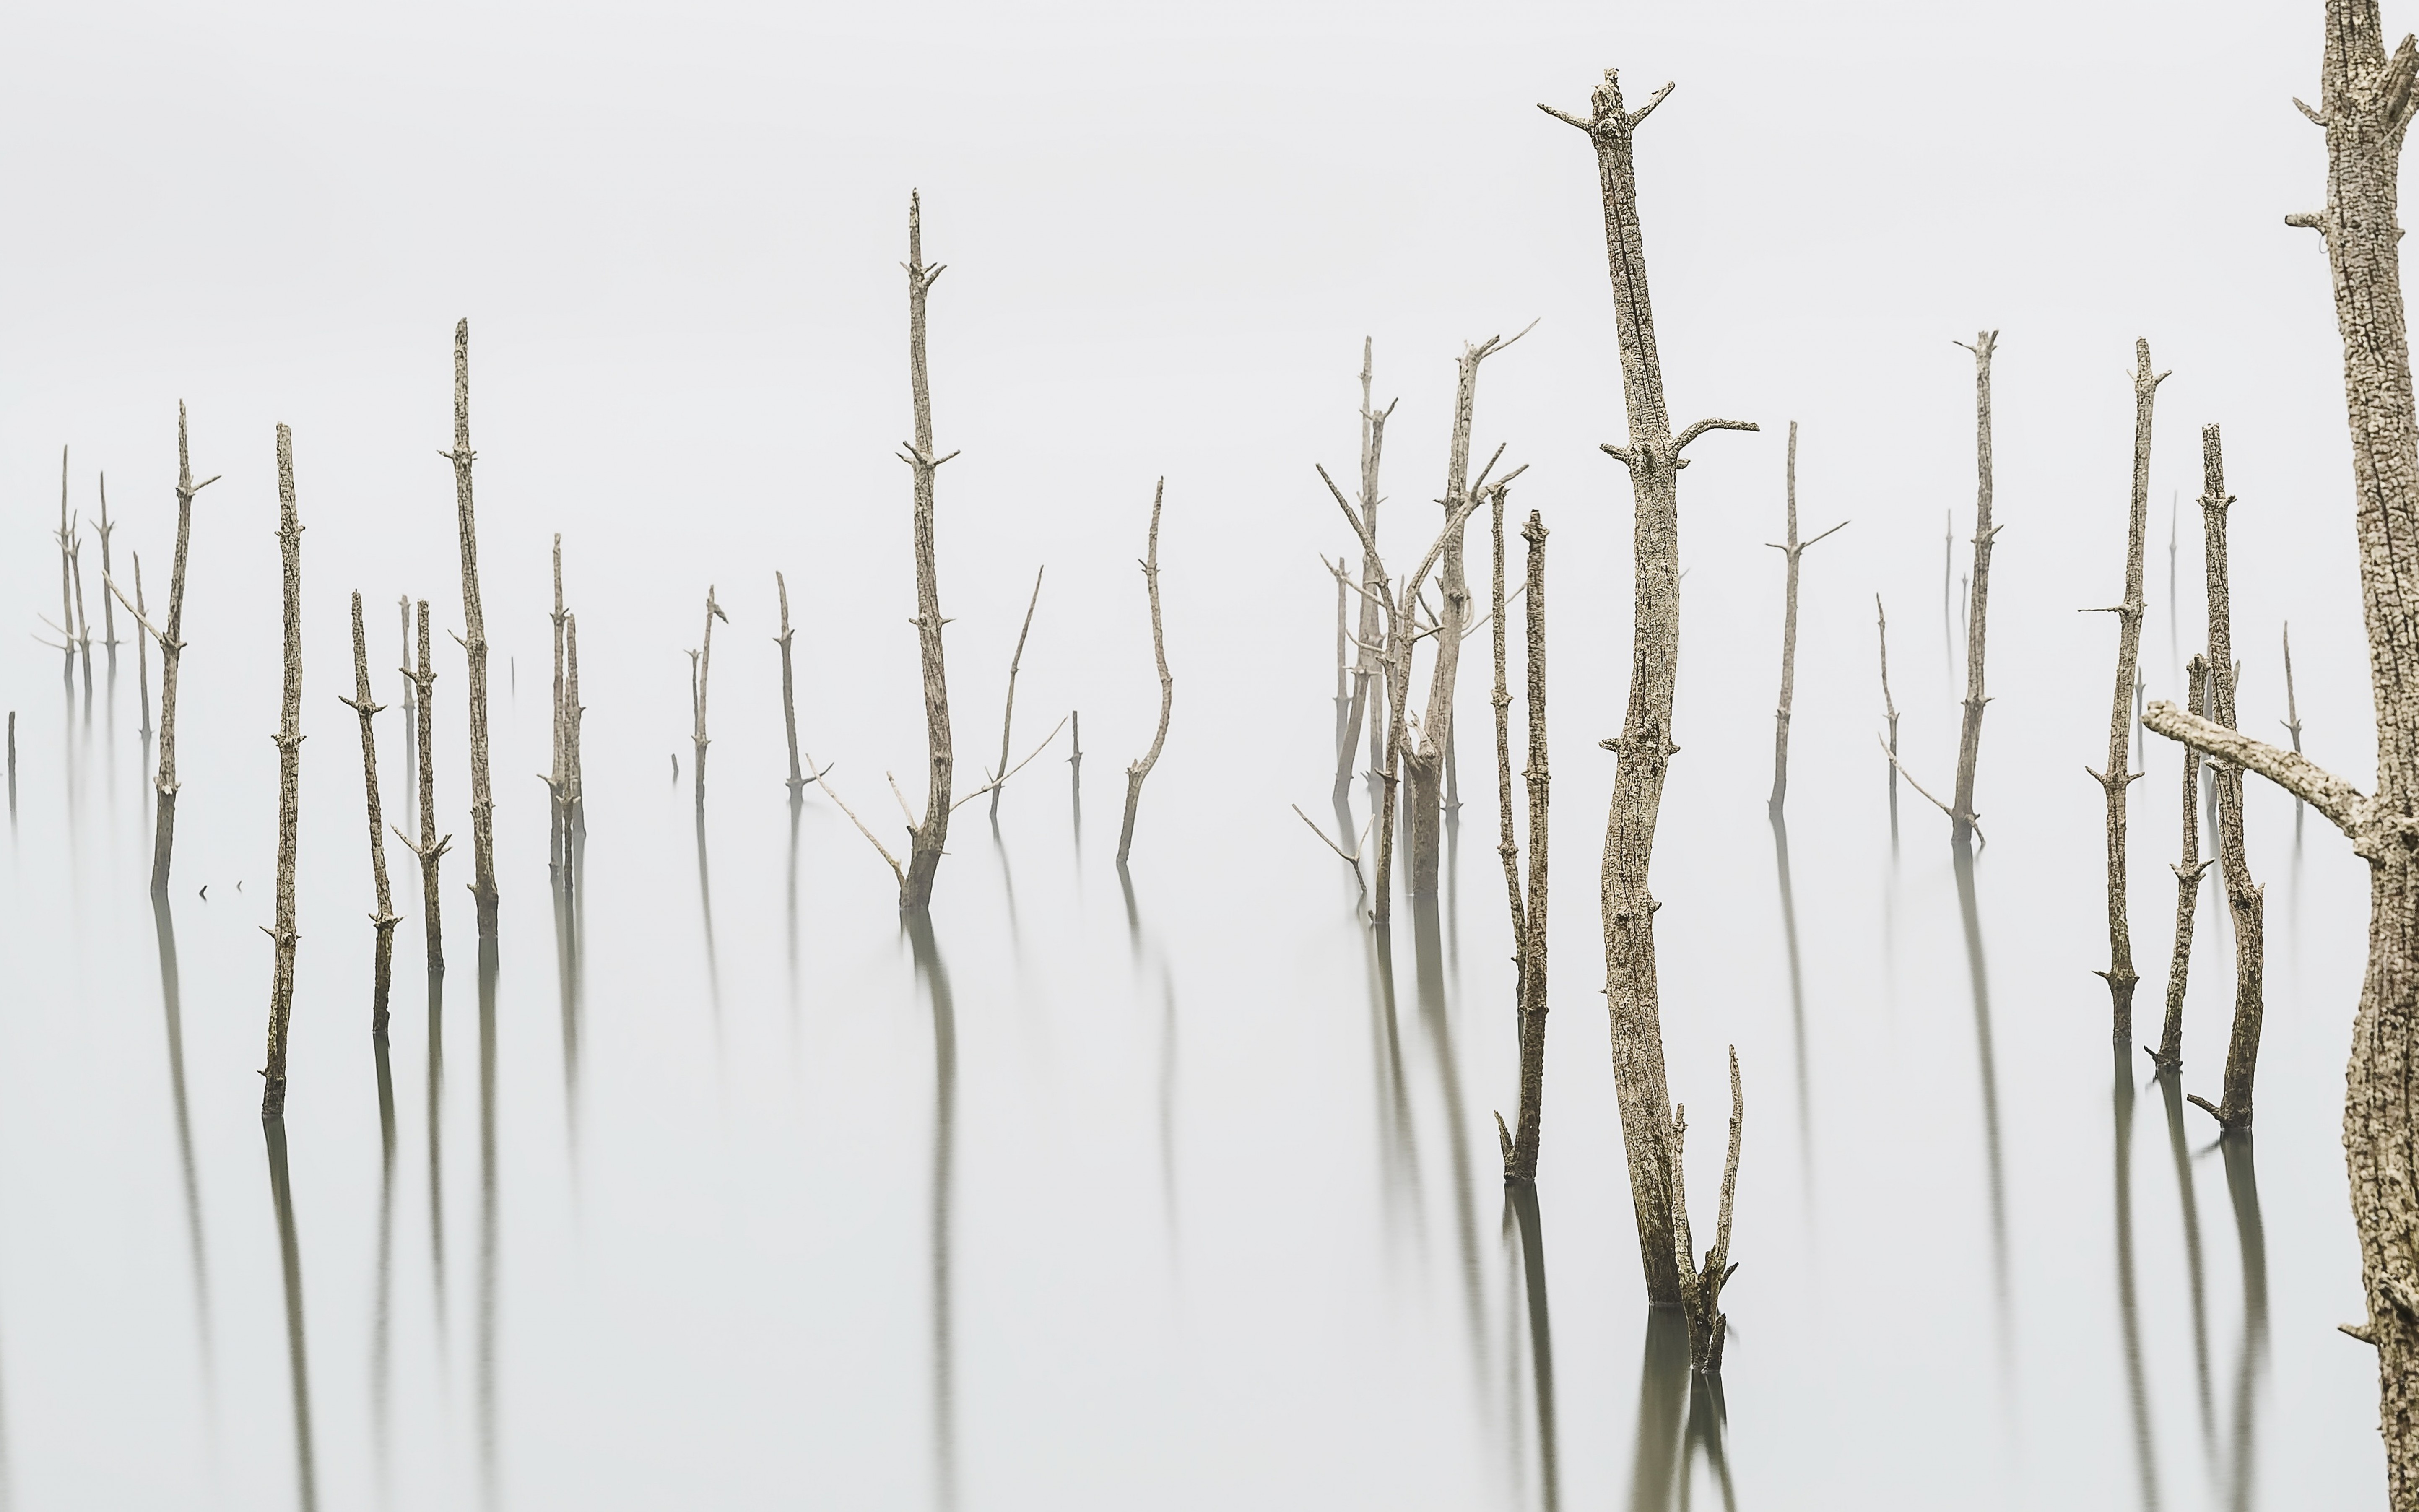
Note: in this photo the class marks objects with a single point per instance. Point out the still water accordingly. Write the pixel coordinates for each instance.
(714, 1186)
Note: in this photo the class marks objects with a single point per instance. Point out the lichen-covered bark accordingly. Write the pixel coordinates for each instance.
(2116, 778)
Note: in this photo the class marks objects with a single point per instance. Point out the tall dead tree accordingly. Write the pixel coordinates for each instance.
(108, 611)
(290, 783)
(789, 694)
(63, 536)
(2188, 869)
(385, 920)
(1790, 550)
(925, 840)
(558, 781)
(1889, 707)
(2116, 778)
(1424, 763)
(410, 711)
(576, 804)
(2245, 905)
(431, 847)
(1368, 676)
(1969, 735)
(700, 667)
(171, 650)
(1643, 751)
(474, 643)
(2365, 105)
(1528, 905)
(1141, 769)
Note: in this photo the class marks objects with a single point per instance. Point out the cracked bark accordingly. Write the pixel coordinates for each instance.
(289, 784)
(172, 651)
(2116, 778)
(1645, 747)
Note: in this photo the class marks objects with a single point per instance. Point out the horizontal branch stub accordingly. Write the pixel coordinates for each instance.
(2346, 807)
(2308, 221)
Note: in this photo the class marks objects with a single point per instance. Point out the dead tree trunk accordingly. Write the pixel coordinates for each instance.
(1793, 548)
(2245, 905)
(789, 695)
(141, 653)
(1527, 907)
(431, 847)
(1969, 736)
(558, 781)
(1008, 714)
(2116, 778)
(385, 918)
(924, 841)
(108, 611)
(410, 711)
(2365, 105)
(1367, 675)
(2189, 871)
(171, 650)
(1889, 708)
(67, 572)
(700, 667)
(1140, 769)
(1645, 750)
(573, 709)
(1700, 1287)
(474, 645)
(1423, 764)
(290, 783)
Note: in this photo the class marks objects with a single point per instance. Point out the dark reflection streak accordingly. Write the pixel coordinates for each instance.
(1007, 888)
(566, 965)
(381, 1312)
(1398, 1152)
(2172, 1096)
(1961, 857)
(289, 1249)
(2137, 1388)
(1708, 1430)
(1522, 1198)
(936, 975)
(1166, 1059)
(488, 1239)
(1655, 1465)
(2243, 1188)
(1453, 878)
(798, 803)
(1429, 962)
(705, 906)
(437, 1149)
(1796, 1006)
(172, 1006)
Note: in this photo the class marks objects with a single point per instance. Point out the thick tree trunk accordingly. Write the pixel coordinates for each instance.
(1645, 747)
(290, 783)
(925, 840)
(2116, 780)
(474, 645)
(1969, 736)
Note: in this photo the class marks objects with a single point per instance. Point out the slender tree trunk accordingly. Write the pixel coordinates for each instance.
(108, 611)
(573, 710)
(410, 714)
(1792, 549)
(558, 781)
(789, 695)
(289, 781)
(1528, 910)
(1969, 737)
(430, 848)
(141, 653)
(1889, 709)
(2188, 869)
(385, 918)
(2245, 905)
(1367, 675)
(2116, 780)
(1141, 769)
(67, 572)
(172, 648)
(12, 772)
(1645, 746)
(474, 645)
(701, 668)
(1008, 713)
(2365, 105)
(924, 841)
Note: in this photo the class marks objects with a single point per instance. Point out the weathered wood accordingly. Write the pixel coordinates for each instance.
(385, 918)
(1889, 708)
(1141, 769)
(1008, 713)
(2116, 778)
(474, 643)
(290, 783)
(700, 666)
(1528, 905)
(172, 651)
(2188, 869)
(1969, 735)
(925, 840)
(431, 847)
(1792, 549)
(798, 781)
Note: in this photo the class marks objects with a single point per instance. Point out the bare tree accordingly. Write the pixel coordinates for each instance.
(700, 667)
(558, 781)
(108, 610)
(1008, 713)
(1645, 750)
(474, 643)
(1792, 549)
(411, 710)
(142, 652)
(1528, 905)
(573, 710)
(2245, 905)
(1424, 764)
(290, 783)
(2365, 105)
(172, 648)
(2169, 1056)
(2116, 778)
(1366, 672)
(1141, 769)
(925, 840)
(385, 920)
(1889, 708)
(789, 695)
(431, 847)
(1969, 736)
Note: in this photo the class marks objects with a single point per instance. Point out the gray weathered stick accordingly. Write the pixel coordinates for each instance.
(1141, 769)
(431, 847)
(142, 652)
(2116, 778)
(1367, 677)
(1969, 735)
(474, 642)
(1008, 714)
(172, 651)
(1889, 707)
(573, 710)
(108, 610)
(789, 694)
(66, 588)
(290, 783)
(1792, 549)
(385, 920)
(1645, 746)
(1529, 906)
(2188, 869)
(558, 781)
(701, 663)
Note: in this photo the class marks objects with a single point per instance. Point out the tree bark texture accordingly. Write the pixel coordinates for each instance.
(573, 709)
(924, 841)
(1969, 736)
(2188, 869)
(430, 848)
(558, 781)
(1528, 910)
(2116, 780)
(1645, 747)
(1141, 769)
(2245, 905)
(290, 783)
(474, 645)
(385, 918)
(2365, 105)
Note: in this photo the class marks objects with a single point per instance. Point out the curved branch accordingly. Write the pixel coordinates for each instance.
(2345, 806)
(1703, 425)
